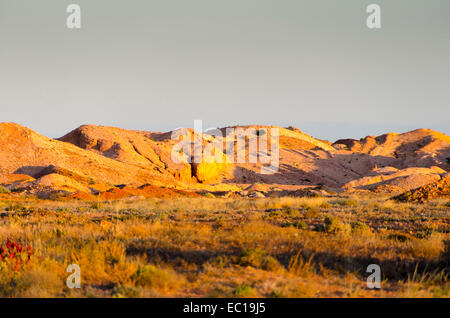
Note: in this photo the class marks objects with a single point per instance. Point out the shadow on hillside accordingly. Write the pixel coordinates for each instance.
(333, 171)
(33, 171)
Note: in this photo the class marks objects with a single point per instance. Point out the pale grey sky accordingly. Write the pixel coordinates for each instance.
(159, 65)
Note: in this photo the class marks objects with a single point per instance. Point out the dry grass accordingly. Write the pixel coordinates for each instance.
(210, 247)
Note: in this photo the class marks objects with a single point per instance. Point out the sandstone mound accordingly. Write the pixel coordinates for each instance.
(49, 185)
(289, 138)
(131, 147)
(417, 148)
(258, 187)
(390, 179)
(59, 182)
(14, 181)
(26, 152)
(431, 191)
(144, 191)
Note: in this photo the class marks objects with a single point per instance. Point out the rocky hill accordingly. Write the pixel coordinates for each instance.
(24, 152)
(95, 160)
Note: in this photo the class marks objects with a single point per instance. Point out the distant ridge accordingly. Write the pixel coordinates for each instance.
(94, 159)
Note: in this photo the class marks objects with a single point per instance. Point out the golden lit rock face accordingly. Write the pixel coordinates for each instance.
(184, 175)
(208, 172)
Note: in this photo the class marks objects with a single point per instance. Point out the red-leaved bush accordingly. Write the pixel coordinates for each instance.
(14, 255)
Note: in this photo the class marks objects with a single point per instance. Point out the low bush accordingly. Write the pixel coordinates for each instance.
(360, 228)
(244, 291)
(399, 237)
(4, 190)
(334, 225)
(258, 258)
(150, 276)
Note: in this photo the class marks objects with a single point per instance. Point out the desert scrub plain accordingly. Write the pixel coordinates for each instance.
(213, 247)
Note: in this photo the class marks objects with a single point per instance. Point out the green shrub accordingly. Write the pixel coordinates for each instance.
(360, 228)
(275, 294)
(257, 258)
(244, 291)
(426, 233)
(300, 225)
(291, 211)
(325, 205)
(334, 225)
(310, 211)
(348, 202)
(151, 276)
(271, 264)
(252, 257)
(273, 215)
(4, 190)
(399, 237)
(97, 206)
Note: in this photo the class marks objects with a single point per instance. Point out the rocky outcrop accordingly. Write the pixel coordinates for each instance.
(131, 147)
(431, 191)
(24, 151)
